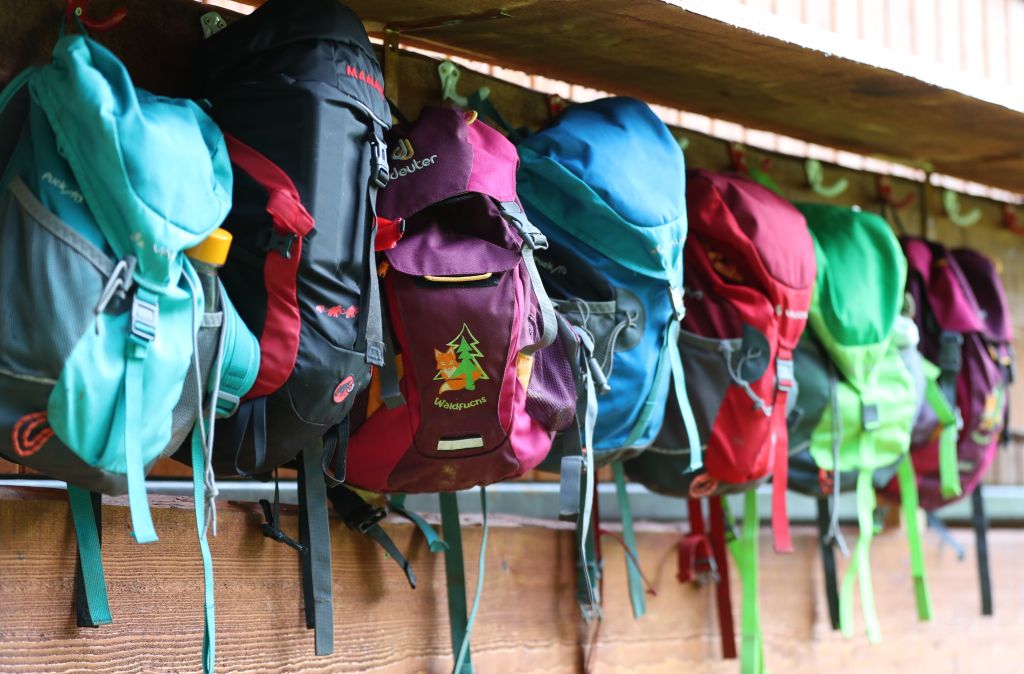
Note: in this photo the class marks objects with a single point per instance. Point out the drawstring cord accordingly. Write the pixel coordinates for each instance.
(735, 373)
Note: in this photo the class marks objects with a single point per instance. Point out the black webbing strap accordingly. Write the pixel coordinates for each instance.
(455, 575)
(950, 361)
(335, 457)
(315, 537)
(87, 615)
(828, 562)
(981, 543)
(362, 517)
(251, 413)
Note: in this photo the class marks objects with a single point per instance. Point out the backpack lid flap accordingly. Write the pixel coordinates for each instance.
(113, 135)
(442, 155)
(951, 300)
(981, 273)
(437, 250)
(609, 173)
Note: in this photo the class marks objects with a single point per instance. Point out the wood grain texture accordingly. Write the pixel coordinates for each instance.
(528, 620)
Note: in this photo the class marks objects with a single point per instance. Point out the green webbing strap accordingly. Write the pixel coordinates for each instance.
(860, 568)
(199, 496)
(455, 573)
(397, 504)
(636, 581)
(90, 556)
(744, 552)
(316, 535)
(143, 331)
(949, 471)
(908, 495)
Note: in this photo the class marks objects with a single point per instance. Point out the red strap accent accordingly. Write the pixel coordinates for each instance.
(694, 550)
(725, 624)
(23, 441)
(780, 517)
(389, 233)
(279, 342)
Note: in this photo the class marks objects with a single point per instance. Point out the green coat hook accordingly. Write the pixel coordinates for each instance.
(449, 74)
(816, 179)
(951, 204)
(684, 142)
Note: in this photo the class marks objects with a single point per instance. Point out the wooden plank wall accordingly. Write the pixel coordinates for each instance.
(528, 619)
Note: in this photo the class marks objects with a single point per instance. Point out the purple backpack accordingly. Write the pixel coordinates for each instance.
(964, 321)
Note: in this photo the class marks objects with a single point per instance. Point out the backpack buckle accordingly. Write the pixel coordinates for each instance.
(381, 175)
(144, 318)
(364, 517)
(785, 374)
(678, 304)
(277, 242)
(227, 403)
(951, 351)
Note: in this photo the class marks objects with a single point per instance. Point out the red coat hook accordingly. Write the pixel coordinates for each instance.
(1011, 220)
(80, 9)
(738, 160)
(556, 104)
(885, 195)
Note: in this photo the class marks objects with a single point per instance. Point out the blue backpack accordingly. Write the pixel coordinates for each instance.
(109, 358)
(606, 184)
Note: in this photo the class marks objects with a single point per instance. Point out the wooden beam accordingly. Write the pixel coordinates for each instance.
(528, 622)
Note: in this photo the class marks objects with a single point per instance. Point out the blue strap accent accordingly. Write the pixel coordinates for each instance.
(199, 494)
(651, 405)
(463, 655)
(143, 331)
(636, 581)
(397, 504)
(679, 387)
(90, 555)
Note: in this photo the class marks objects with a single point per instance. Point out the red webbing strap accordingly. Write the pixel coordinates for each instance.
(279, 342)
(781, 539)
(389, 233)
(725, 623)
(694, 550)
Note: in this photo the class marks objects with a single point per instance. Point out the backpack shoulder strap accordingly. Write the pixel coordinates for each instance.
(981, 546)
(315, 537)
(455, 573)
(92, 606)
(533, 239)
(908, 497)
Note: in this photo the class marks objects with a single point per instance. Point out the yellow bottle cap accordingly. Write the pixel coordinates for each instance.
(214, 248)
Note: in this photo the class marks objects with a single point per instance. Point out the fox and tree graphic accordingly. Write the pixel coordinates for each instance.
(459, 367)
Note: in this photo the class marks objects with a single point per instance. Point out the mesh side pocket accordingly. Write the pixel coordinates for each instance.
(183, 417)
(551, 395)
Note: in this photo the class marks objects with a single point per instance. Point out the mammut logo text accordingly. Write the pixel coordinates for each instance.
(416, 165)
(550, 266)
(62, 187)
(403, 150)
(358, 74)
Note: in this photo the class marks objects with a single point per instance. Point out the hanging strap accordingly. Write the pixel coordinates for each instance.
(722, 593)
(91, 604)
(390, 389)
(744, 551)
(378, 180)
(586, 493)
(981, 546)
(455, 573)
(315, 538)
(633, 575)
(199, 496)
(950, 361)
(533, 239)
(908, 496)
(335, 457)
(826, 544)
(860, 569)
(949, 471)
(252, 413)
(145, 313)
(362, 517)
(785, 383)
(397, 504)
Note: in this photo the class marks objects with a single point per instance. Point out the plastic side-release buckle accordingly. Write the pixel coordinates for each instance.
(533, 238)
(678, 302)
(785, 374)
(278, 242)
(365, 518)
(380, 168)
(145, 314)
(951, 351)
(227, 404)
(870, 418)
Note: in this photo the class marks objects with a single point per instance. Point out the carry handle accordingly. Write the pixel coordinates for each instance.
(458, 279)
(283, 202)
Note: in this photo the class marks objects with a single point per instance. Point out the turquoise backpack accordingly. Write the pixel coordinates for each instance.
(107, 358)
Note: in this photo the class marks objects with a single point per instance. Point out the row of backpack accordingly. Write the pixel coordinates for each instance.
(428, 308)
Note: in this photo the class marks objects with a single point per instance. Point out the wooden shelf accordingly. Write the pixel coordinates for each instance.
(707, 58)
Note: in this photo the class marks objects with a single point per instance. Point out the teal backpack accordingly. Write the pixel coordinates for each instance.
(108, 360)
(873, 399)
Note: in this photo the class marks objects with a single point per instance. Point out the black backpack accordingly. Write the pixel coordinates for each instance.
(297, 84)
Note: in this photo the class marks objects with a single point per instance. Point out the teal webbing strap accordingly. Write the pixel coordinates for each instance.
(317, 537)
(636, 581)
(651, 405)
(455, 573)
(397, 504)
(143, 331)
(859, 570)
(679, 386)
(908, 496)
(949, 471)
(90, 555)
(199, 495)
(744, 551)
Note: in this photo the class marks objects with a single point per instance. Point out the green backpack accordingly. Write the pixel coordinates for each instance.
(855, 318)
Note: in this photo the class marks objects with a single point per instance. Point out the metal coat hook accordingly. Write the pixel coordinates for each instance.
(78, 9)
(815, 173)
(449, 74)
(951, 204)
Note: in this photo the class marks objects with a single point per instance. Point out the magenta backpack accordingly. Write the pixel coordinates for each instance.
(469, 394)
(964, 321)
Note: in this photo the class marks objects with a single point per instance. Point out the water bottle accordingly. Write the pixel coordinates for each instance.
(207, 258)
